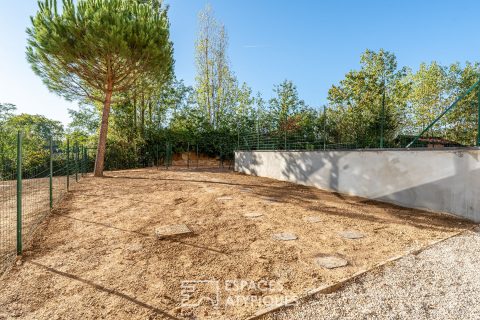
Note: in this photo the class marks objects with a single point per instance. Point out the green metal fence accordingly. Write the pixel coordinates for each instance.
(175, 151)
(31, 184)
(298, 141)
(456, 126)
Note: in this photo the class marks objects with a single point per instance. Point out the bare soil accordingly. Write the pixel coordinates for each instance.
(97, 255)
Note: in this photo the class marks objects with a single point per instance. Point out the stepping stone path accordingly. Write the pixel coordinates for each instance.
(224, 199)
(284, 236)
(253, 215)
(350, 234)
(172, 230)
(312, 219)
(331, 262)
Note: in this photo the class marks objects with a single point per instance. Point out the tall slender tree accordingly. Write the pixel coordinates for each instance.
(96, 49)
(216, 85)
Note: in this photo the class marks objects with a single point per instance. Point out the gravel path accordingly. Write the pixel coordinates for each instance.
(442, 282)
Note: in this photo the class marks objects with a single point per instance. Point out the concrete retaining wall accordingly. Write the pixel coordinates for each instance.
(438, 180)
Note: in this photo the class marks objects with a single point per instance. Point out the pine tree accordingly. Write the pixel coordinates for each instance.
(97, 49)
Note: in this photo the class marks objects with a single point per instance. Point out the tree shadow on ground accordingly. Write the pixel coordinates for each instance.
(104, 289)
(308, 197)
(172, 239)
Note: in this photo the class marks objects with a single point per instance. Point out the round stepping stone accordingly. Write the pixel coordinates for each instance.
(312, 219)
(284, 236)
(350, 234)
(331, 262)
(253, 215)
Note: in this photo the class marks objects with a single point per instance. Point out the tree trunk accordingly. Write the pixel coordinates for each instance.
(102, 139)
(142, 117)
(135, 113)
(150, 112)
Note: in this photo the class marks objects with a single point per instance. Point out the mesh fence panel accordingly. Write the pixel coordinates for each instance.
(46, 171)
(8, 218)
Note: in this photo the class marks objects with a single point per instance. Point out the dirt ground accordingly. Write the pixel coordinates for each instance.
(97, 255)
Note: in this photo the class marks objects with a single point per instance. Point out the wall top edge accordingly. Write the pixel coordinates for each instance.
(374, 150)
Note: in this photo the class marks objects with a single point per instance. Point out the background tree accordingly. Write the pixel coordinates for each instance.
(462, 122)
(428, 96)
(215, 83)
(37, 131)
(434, 88)
(285, 106)
(97, 49)
(370, 99)
(7, 137)
(85, 120)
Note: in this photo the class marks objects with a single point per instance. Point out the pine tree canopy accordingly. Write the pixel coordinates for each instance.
(82, 49)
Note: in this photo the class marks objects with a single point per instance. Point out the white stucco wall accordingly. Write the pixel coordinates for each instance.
(438, 180)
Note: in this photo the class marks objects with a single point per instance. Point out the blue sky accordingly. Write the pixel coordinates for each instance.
(313, 43)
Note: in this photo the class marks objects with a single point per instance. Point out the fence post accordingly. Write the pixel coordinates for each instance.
(478, 121)
(188, 155)
(19, 193)
(324, 127)
(80, 160)
(238, 139)
(51, 173)
(258, 139)
(75, 157)
(382, 120)
(197, 155)
(84, 156)
(68, 164)
(85, 160)
(166, 155)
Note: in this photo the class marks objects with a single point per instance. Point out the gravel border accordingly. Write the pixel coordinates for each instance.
(441, 282)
